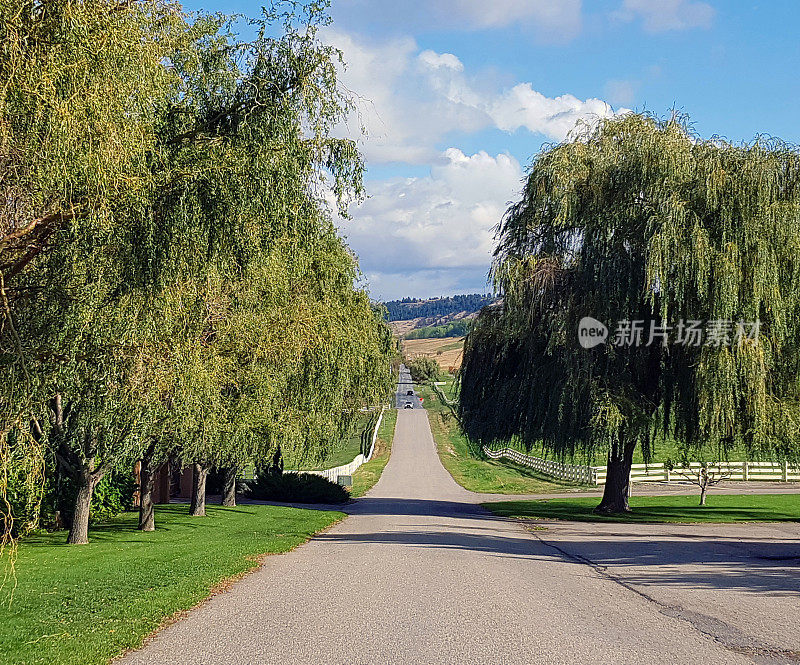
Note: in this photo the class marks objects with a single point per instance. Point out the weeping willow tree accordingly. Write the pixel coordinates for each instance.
(78, 96)
(280, 349)
(640, 220)
(186, 291)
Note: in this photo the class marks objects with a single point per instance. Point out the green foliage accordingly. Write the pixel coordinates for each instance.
(80, 81)
(194, 297)
(424, 369)
(112, 495)
(20, 486)
(296, 488)
(641, 219)
(453, 329)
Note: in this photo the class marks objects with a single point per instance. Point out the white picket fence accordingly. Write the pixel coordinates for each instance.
(640, 473)
(348, 469)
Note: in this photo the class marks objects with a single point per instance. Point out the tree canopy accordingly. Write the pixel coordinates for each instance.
(642, 225)
(173, 284)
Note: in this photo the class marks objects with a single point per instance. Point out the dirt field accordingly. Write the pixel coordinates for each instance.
(400, 328)
(447, 351)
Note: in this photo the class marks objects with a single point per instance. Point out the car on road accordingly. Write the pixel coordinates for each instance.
(410, 392)
(408, 406)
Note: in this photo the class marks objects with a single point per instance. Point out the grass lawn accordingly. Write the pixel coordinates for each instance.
(86, 604)
(368, 474)
(719, 508)
(473, 473)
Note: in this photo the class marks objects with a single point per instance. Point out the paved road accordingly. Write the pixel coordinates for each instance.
(405, 386)
(420, 574)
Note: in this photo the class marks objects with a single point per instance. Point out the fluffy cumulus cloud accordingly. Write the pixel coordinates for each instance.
(397, 104)
(553, 117)
(664, 15)
(410, 101)
(439, 226)
(413, 104)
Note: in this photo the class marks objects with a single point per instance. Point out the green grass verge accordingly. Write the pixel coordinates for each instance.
(85, 604)
(722, 508)
(368, 474)
(474, 473)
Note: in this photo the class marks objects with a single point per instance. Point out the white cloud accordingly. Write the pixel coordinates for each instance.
(435, 60)
(440, 222)
(400, 103)
(410, 101)
(437, 229)
(554, 117)
(665, 15)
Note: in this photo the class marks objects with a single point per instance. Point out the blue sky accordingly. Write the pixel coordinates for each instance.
(459, 95)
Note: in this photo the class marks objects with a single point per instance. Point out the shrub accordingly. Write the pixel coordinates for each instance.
(112, 496)
(295, 488)
(424, 369)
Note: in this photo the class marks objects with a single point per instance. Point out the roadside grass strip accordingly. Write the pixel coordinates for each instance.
(478, 473)
(720, 508)
(370, 472)
(86, 604)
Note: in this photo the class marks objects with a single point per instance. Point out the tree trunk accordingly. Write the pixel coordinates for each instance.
(229, 487)
(79, 530)
(615, 493)
(198, 501)
(147, 473)
(703, 477)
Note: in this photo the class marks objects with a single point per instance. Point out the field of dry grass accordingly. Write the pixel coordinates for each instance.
(447, 351)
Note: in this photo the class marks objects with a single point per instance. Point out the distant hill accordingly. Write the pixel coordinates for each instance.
(437, 308)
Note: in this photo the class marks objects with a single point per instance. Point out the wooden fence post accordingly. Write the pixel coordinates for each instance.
(745, 475)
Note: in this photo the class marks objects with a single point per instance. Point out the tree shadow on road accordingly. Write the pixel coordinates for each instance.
(739, 559)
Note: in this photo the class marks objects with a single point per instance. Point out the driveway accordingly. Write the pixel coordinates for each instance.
(420, 573)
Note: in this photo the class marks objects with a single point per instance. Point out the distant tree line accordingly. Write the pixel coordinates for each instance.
(453, 329)
(413, 308)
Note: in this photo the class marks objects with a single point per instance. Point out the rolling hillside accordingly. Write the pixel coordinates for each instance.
(412, 314)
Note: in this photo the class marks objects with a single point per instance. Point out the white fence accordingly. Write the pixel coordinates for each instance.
(640, 473)
(573, 472)
(349, 469)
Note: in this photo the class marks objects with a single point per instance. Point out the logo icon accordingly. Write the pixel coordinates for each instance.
(591, 332)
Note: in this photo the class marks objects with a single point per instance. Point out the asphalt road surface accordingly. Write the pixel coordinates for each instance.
(419, 573)
(406, 395)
